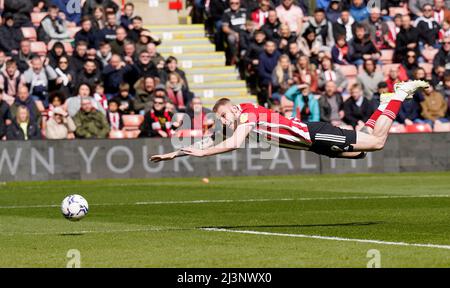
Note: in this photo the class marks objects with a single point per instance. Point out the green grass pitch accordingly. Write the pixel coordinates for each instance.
(159, 222)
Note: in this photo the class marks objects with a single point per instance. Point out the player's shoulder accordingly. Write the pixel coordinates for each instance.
(248, 106)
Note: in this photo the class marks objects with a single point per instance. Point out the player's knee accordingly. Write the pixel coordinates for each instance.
(379, 143)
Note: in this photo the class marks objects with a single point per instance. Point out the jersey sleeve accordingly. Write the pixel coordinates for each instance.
(249, 115)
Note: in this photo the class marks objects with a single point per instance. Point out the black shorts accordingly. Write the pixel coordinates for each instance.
(329, 140)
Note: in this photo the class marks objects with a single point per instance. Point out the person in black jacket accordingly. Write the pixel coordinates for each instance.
(55, 53)
(22, 127)
(87, 34)
(442, 58)
(10, 36)
(170, 67)
(113, 75)
(428, 28)
(357, 109)
(143, 67)
(216, 10)
(79, 56)
(158, 122)
(21, 9)
(24, 57)
(361, 47)
(89, 75)
(272, 26)
(407, 39)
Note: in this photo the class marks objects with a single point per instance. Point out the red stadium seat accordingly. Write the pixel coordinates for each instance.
(132, 122)
(131, 134)
(39, 48)
(117, 134)
(387, 55)
(189, 133)
(418, 128)
(441, 127)
(428, 69)
(398, 10)
(68, 47)
(386, 68)
(398, 128)
(349, 70)
(429, 54)
(29, 33)
(36, 17)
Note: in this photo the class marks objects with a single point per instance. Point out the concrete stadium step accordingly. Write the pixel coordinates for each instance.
(179, 34)
(198, 56)
(186, 49)
(208, 70)
(221, 92)
(200, 78)
(209, 102)
(188, 41)
(203, 64)
(218, 85)
(170, 28)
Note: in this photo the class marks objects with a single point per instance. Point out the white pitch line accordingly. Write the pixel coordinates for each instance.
(238, 201)
(438, 246)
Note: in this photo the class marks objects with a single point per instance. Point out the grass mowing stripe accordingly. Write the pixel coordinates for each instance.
(69, 233)
(319, 237)
(239, 201)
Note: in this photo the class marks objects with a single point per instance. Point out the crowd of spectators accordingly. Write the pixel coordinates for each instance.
(332, 64)
(98, 74)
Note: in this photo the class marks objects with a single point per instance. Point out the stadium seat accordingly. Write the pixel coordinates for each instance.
(132, 122)
(29, 33)
(428, 69)
(387, 55)
(441, 127)
(69, 48)
(429, 54)
(117, 134)
(398, 10)
(36, 18)
(397, 128)
(418, 128)
(39, 48)
(349, 70)
(189, 133)
(386, 68)
(131, 134)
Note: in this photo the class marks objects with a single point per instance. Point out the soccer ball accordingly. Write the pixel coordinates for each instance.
(74, 207)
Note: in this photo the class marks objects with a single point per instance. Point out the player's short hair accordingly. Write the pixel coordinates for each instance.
(220, 102)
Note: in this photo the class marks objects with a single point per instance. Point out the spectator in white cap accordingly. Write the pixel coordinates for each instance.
(60, 125)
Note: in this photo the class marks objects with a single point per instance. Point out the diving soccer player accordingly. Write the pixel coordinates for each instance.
(319, 137)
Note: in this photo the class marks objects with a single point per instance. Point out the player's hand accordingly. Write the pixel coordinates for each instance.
(194, 152)
(163, 157)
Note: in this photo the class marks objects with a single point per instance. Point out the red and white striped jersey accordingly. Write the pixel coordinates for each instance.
(274, 128)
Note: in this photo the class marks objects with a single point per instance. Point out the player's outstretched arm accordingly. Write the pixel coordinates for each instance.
(203, 144)
(230, 144)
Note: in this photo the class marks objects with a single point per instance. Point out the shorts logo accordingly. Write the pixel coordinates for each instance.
(243, 118)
